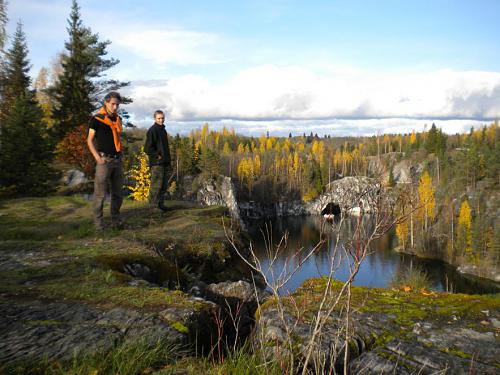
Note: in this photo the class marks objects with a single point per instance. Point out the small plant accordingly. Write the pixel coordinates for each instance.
(140, 174)
(411, 278)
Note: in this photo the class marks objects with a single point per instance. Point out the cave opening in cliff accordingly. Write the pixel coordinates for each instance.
(331, 209)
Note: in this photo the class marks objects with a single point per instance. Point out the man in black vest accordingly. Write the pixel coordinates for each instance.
(156, 147)
(105, 145)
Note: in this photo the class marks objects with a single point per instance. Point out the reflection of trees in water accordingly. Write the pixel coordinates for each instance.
(304, 233)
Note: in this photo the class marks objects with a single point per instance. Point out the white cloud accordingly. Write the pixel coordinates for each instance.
(268, 93)
(333, 127)
(174, 46)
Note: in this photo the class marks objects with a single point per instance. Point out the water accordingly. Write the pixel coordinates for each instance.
(377, 270)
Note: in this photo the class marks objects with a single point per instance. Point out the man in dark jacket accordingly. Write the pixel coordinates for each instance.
(156, 147)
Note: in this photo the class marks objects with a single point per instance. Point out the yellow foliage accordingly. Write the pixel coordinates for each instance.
(426, 195)
(402, 232)
(269, 144)
(465, 217)
(310, 195)
(257, 165)
(413, 137)
(141, 176)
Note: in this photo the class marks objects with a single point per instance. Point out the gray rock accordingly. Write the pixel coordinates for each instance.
(351, 194)
(238, 302)
(427, 349)
(73, 177)
(219, 191)
(60, 330)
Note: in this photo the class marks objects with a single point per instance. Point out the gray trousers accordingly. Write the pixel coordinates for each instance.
(159, 183)
(108, 174)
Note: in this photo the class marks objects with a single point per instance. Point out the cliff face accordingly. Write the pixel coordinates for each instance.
(219, 191)
(350, 194)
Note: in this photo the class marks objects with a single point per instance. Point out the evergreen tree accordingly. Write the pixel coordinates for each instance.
(76, 94)
(436, 141)
(24, 152)
(209, 163)
(3, 23)
(15, 78)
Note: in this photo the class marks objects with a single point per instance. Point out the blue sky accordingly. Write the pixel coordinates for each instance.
(339, 67)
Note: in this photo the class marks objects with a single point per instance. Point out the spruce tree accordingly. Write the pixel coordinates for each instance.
(15, 79)
(24, 154)
(76, 94)
(3, 23)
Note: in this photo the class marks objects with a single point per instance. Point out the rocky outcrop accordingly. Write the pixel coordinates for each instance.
(219, 191)
(403, 171)
(38, 329)
(350, 194)
(238, 302)
(389, 333)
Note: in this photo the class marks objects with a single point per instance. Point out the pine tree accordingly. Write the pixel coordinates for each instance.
(77, 92)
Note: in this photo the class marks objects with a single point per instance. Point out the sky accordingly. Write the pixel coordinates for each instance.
(342, 68)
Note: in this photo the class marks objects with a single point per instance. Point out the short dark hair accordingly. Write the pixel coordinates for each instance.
(113, 94)
(158, 112)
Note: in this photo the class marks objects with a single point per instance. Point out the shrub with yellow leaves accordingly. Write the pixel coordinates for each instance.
(140, 174)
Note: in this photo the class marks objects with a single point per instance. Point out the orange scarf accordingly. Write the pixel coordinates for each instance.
(116, 127)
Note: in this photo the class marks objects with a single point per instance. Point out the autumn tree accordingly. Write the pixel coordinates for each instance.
(72, 149)
(402, 232)
(140, 175)
(427, 199)
(43, 99)
(464, 232)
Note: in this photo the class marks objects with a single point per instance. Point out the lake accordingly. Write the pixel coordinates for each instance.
(377, 270)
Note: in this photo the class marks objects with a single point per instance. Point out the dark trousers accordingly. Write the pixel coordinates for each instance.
(108, 174)
(160, 175)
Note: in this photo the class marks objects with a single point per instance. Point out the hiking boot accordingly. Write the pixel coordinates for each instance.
(117, 224)
(162, 207)
(99, 225)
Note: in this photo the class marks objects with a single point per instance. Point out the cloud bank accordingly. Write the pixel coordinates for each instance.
(268, 96)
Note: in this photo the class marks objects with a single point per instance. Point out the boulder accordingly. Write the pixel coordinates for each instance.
(73, 177)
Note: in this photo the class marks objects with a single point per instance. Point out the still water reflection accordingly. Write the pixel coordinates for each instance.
(377, 270)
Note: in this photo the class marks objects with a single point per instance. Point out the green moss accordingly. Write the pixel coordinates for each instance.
(178, 326)
(456, 353)
(57, 254)
(44, 322)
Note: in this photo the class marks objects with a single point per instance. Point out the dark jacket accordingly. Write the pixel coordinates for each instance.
(156, 146)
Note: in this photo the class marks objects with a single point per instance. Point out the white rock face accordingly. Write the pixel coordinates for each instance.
(219, 191)
(354, 195)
